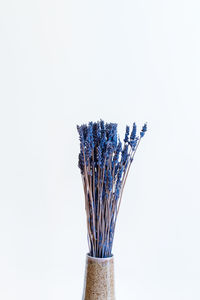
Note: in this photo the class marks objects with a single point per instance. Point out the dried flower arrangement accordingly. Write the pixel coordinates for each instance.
(104, 163)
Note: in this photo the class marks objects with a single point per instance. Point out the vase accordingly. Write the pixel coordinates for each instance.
(99, 279)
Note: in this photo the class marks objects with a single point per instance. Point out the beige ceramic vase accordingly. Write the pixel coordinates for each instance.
(99, 279)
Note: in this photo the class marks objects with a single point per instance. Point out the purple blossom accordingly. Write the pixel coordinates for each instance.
(144, 129)
(126, 138)
(103, 162)
(133, 132)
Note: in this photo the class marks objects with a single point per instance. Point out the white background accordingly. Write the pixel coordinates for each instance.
(67, 62)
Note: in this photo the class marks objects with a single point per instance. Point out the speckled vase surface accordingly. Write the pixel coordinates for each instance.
(99, 279)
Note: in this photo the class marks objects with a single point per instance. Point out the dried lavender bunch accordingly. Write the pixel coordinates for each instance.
(104, 163)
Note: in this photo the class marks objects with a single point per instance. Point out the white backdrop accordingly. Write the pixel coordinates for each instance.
(63, 63)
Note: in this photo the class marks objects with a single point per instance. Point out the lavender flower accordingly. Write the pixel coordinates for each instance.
(99, 156)
(133, 132)
(126, 138)
(103, 162)
(110, 180)
(133, 143)
(144, 129)
(124, 154)
(81, 162)
(118, 150)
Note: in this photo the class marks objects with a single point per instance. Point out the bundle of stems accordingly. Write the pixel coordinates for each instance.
(104, 163)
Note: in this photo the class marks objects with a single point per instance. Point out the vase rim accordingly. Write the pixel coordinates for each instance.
(99, 258)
